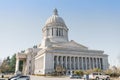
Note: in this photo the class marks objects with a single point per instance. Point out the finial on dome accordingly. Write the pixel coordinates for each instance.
(55, 12)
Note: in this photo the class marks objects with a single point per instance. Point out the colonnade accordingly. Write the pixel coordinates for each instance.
(78, 63)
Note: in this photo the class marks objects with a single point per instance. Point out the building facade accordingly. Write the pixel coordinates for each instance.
(56, 50)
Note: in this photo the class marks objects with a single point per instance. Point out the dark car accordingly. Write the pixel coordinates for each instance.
(13, 77)
(19, 77)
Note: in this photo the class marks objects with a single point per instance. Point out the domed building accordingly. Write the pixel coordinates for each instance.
(57, 53)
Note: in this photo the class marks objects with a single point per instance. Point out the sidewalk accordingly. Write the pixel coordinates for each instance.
(3, 78)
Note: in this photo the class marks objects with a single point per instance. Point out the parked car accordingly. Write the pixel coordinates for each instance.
(98, 75)
(19, 77)
(75, 76)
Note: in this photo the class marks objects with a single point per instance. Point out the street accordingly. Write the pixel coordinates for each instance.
(51, 78)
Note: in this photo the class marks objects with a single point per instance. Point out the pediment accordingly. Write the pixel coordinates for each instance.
(71, 44)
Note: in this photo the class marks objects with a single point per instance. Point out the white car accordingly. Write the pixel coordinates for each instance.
(98, 75)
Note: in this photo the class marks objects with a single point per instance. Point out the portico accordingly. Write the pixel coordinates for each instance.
(21, 57)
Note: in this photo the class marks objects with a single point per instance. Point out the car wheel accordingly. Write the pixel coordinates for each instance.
(107, 78)
(97, 78)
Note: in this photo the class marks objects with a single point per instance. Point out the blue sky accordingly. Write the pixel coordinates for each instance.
(93, 23)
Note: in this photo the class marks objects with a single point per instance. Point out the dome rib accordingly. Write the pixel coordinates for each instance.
(55, 20)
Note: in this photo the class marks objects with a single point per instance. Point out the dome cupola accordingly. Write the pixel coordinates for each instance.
(55, 20)
(55, 29)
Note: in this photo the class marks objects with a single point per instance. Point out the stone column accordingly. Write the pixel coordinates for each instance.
(99, 64)
(88, 66)
(70, 62)
(86, 63)
(24, 67)
(96, 63)
(89, 63)
(61, 61)
(17, 65)
(82, 63)
(66, 61)
(74, 66)
(93, 62)
(57, 60)
(78, 63)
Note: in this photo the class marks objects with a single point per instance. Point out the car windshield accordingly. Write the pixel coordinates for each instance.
(23, 76)
(102, 73)
(15, 76)
(95, 73)
(75, 75)
(98, 74)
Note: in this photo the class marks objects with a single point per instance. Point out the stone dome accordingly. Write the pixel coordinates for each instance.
(55, 20)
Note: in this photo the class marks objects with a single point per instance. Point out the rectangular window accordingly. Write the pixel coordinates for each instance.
(52, 31)
(48, 32)
(30, 61)
(57, 32)
(62, 32)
